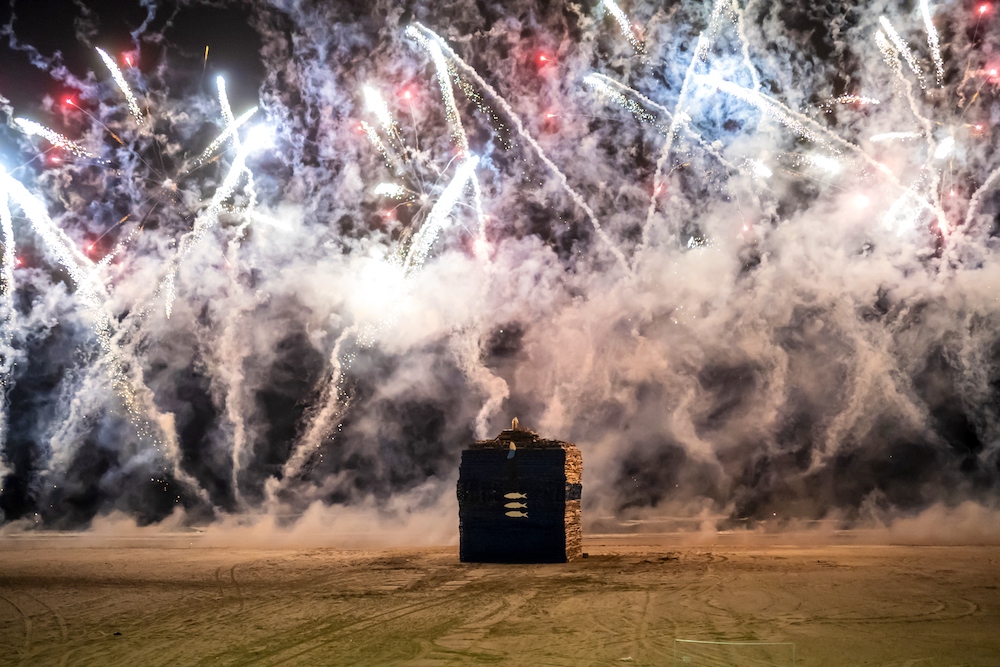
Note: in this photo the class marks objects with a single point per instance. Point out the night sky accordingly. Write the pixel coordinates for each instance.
(750, 269)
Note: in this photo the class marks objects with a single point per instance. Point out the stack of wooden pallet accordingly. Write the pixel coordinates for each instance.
(519, 500)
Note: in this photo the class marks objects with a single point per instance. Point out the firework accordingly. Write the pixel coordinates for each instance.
(932, 41)
(231, 130)
(902, 49)
(393, 190)
(33, 129)
(430, 35)
(458, 134)
(210, 216)
(116, 74)
(8, 318)
(888, 185)
(439, 214)
(895, 136)
(623, 23)
(377, 106)
(680, 117)
(334, 402)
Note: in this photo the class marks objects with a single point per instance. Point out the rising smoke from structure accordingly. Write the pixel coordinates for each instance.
(742, 254)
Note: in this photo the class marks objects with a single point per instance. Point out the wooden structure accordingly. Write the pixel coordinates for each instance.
(519, 500)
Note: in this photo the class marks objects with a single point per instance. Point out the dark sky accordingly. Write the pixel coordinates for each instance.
(72, 29)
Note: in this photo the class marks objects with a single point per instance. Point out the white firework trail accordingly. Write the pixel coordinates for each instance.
(458, 134)
(8, 322)
(744, 44)
(116, 74)
(903, 212)
(891, 57)
(619, 93)
(377, 106)
(605, 87)
(467, 346)
(810, 129)
(125, 373)
(205, 221)
(827, 164)
(895, 136)
(851, 99)
(77, 264)
(393, 190)
(519, 126)
(904, 50)
(770, 107)
(118, 249)
(932, 41)
(435, 222)
(679, 117)
(376, 141)
(623, 24)
(334, 402)
(231, 128)
(227, 115)
(232, 350)
(33, 129)
(976, 200)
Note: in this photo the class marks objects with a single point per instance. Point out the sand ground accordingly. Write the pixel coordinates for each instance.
(174, 602)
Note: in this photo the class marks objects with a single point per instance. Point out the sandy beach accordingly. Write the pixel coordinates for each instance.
(168, 601)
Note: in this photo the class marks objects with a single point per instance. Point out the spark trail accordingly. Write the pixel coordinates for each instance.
(425, 237)
(8, 321)
(519, 126)
(623, 24)
(903, 50)
(231, 129)
(116, 74)
(33, 129)
(458, 133)
(206, 220)
(933, 41)
(679, 118)
(147, 420)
